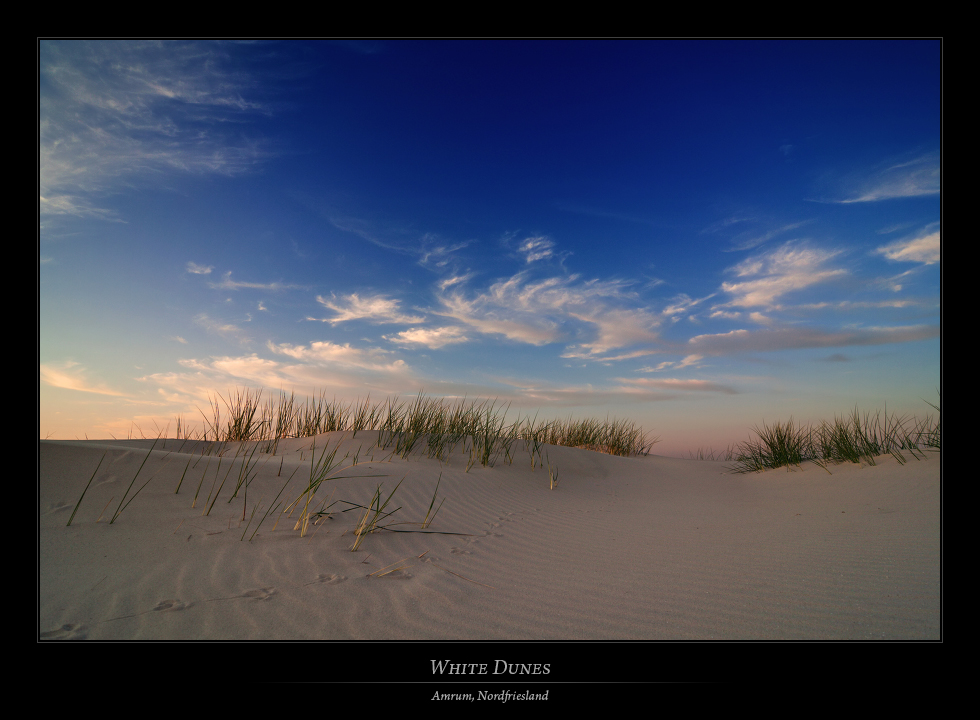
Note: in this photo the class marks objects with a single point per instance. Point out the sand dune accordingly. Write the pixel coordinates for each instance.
(641, 548)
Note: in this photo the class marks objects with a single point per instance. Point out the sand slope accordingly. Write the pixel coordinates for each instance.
(625, 548)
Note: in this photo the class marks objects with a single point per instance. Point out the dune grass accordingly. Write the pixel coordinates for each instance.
(86, 488)
(854, 437)
(374, 513)
(433, 427)
(122, 507)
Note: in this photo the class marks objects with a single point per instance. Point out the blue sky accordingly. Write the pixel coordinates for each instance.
(700, 236)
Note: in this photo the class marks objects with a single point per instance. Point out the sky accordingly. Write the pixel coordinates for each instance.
(699, 236)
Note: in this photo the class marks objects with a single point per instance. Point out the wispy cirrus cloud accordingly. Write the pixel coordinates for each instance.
(748, 239)
(333, 354)
(912, 178)
(536, 248)
(226, 283)
(555, 309)
(429, 337)
(306, 369)
(480, 315)
(122, 113)
(682, 304)
(679, 384)
(72, 376)
(769, 276)
(227, 330)
(671, 365)
(435, 253)
(429, 249)
(922, 248)
(618, 328)
(194, 268)
(377, 309)
(793, 338)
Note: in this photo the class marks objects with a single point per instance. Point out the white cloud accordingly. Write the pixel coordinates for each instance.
(923, 248)
(228, 330)
(378, 309)
(536, 248)
(683, 303)
(688, 361)
(114, 114)
(433, 338)
(454, 280)
(725, 315)
(71, 376)
(793, 266)
(307, 370)
(553, 309)
(678, 384)
(437, 254)
(328, 353)
(914, 178)
(193, 267)
(228, 284)
(480, 315)
(744, 341)
(749, 239)
(618, 328)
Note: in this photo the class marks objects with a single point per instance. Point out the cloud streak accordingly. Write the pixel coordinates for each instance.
(769, 276)
(794, 338)
(377, 309)
(679, 384)
(118, 113)
(194, 268)
(71, 376)
(433, 338)
(326, 353)
(923, 248)
(227, 283)
(914, 178)
(555, 309)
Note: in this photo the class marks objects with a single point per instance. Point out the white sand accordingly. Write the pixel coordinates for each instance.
(625, 548)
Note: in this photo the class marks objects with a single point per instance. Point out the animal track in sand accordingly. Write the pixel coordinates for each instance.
(171, 605)
(162, 606)
(106, 480)
(260, 593)
(328, 579)
(490, 532)
(68, 631)
(257, 594)
(55, 507)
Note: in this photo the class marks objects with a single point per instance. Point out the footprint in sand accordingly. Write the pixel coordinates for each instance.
(67, 631)
(328, 579)
(399, 575)
(460, 551)
(171, 605)
(260, 593)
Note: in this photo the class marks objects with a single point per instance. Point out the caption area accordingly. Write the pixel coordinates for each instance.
(501, 696)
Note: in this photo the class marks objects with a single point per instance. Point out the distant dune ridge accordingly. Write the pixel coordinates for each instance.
(202, 540)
